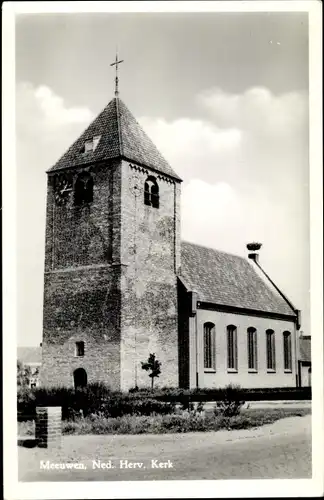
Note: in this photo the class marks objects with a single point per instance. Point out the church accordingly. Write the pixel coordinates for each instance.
(119, 283)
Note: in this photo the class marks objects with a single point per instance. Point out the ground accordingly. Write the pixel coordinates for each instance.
(281, 450)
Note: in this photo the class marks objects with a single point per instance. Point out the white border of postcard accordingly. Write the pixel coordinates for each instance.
(160, 489)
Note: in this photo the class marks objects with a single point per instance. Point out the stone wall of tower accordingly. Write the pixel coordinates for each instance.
(82, 235)
(82, 284)
(150, 254)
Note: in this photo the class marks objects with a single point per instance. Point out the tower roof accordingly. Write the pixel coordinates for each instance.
(121, 136)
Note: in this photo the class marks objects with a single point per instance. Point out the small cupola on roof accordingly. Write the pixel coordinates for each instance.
(115, 133)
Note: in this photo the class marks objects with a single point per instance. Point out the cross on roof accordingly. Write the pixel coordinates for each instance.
(116, 78)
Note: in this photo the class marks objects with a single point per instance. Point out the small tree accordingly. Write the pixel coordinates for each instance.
(23, 374)
(153, 365)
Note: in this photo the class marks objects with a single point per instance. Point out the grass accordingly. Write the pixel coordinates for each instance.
(174, 423)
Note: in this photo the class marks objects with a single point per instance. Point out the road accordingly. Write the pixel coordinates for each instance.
(278, 451)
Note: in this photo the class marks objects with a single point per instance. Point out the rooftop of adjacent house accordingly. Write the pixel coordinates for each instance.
(230, 280)
(29, 355)
(115, 133)
(305, 348)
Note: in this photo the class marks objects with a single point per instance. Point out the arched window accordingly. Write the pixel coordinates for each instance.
(209, 346)
(271, 350)
(287, 351)
(151, 192)
(232, 347)
(252, 349)
(80, 378)
(83, 190)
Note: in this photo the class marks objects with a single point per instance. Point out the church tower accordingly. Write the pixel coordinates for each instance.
(111, 259)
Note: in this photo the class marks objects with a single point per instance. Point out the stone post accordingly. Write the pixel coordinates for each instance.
(48, 431)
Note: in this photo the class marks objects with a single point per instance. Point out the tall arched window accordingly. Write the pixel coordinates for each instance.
(252, 349)
(151, 192)
(83, 189)
(287, 351)
(231, 347)
(209, 346)
(271, 350)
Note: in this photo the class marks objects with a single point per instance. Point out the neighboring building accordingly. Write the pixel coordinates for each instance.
(31, 357)
(304, 361)
(119, 283)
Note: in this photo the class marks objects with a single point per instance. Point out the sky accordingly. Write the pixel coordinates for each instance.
(224, 96)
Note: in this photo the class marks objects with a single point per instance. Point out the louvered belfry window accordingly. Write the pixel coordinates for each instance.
(232, 347)
(252, 349)
(209, 346)
(151, 192)
(271, 350)
(83, 190)
(287, 351)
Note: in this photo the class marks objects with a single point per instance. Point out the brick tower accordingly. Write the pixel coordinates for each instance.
(111, 258)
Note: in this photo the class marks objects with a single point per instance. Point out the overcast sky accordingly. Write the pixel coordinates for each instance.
(223, 96)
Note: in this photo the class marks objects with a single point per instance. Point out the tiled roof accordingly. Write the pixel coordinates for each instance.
(305, 348)
(29, 355)
(121, 136)
(224, 279)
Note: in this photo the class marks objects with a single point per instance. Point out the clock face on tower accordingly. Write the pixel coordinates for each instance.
(63, 189)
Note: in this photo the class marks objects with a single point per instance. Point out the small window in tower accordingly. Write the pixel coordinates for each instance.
(83, 190)
(151, 192)
(91, 144)
(79, 349)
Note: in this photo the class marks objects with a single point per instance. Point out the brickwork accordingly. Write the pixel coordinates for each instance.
(48, 427)
(150, 249)
(81, 305)
(260, 378)
(81, 235)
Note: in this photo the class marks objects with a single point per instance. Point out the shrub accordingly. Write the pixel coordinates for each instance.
(94, 399)
(26, 404)
(230, 403)
(118, 406)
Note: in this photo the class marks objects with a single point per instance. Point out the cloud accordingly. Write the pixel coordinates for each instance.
(54, 110)
(193, 146)
(255, 136)
(44, 116)
(257, 110)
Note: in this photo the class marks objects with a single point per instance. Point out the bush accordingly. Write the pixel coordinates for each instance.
(94, 399)
(230, 403)
(26, 404)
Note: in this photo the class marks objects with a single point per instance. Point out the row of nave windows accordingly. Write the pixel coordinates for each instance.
(252, 348)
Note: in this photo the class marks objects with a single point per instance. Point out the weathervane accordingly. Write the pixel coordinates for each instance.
(116, 78)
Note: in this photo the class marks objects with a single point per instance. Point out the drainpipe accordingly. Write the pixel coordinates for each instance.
(193, 314)
(197, 358)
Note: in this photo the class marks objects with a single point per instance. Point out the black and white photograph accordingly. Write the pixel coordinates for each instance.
(167, 325)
